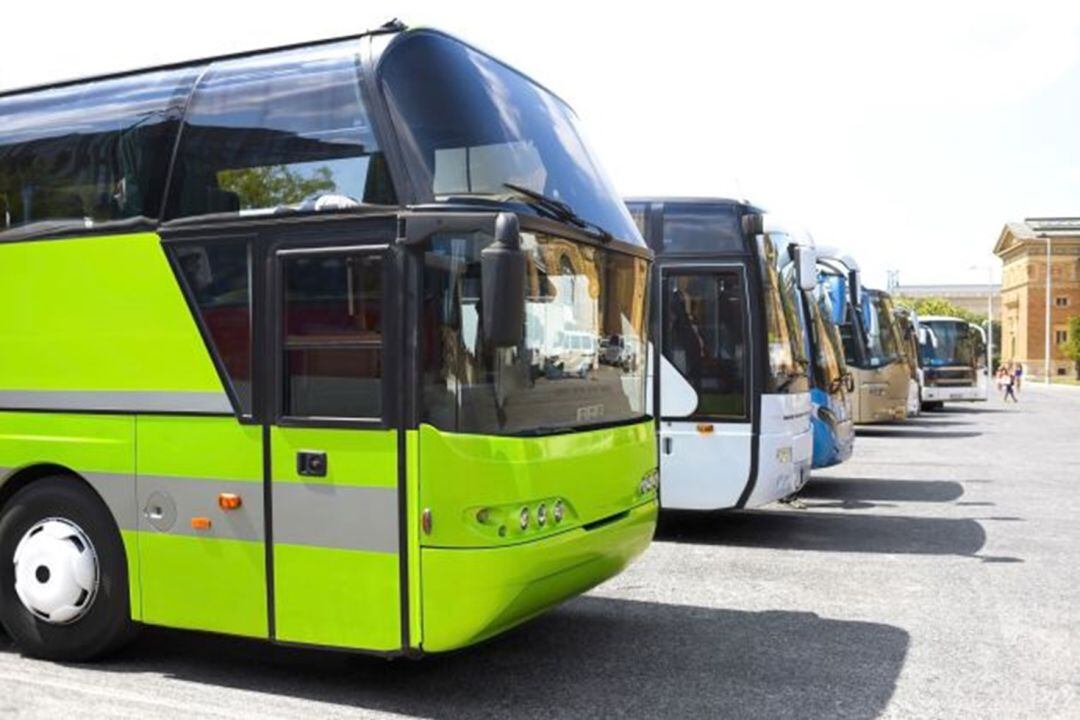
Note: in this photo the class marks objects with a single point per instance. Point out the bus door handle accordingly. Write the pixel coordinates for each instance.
(311, 463)
(667, 446)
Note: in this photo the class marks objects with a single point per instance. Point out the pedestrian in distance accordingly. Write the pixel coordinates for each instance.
(1010, 382)
(1018, 373)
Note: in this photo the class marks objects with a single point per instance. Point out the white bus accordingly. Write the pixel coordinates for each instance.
(731, 389)
(952, 353)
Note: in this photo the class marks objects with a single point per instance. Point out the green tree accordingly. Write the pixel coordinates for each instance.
(939, 306)
(267, 187)
(1071, 347)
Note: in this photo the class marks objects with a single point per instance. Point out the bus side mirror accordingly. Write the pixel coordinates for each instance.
(503, 284)
(753, 224)
(806, 267)
(855, 287)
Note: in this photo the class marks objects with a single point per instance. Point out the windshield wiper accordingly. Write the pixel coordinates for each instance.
(559, 210)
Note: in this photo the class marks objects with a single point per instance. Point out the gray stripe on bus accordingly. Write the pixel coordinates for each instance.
(338, 516)
(117, 490)
(312, 514)
(116, 401)
(198, 497)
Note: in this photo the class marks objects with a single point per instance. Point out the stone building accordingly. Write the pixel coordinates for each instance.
(1022, 247)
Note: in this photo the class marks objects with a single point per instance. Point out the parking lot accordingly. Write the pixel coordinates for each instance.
(934, 575)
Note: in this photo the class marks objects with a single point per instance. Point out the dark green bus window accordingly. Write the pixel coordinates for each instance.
(287, 129)
(333, 335)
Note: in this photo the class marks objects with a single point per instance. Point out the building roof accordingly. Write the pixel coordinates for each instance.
(1035, 230)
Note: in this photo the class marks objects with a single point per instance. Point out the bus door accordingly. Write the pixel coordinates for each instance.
(705, 429)
(333, 444)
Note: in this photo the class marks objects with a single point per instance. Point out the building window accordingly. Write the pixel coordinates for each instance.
(1061, 302)
(1061, 336)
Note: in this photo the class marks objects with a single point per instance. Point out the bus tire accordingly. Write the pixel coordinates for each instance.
(65, 534)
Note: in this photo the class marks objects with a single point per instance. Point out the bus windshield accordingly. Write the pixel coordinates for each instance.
(471, 126)
(946, 342)
(581, 361)
(882, 341)
(783, 321)
(829, 365)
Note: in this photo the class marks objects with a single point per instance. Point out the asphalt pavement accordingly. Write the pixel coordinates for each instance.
(934, 575)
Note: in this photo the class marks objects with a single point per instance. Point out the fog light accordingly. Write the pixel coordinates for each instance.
(557, 511)
(783, 455)
(541, 515)
(524, 518)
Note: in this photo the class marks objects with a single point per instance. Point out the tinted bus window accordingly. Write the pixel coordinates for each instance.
(217, 276)
(91, 152)
(701, 228)
(286, 129)
(784, 333)
(704, 337)
(638, 212)
(469, 125)
(333, 336)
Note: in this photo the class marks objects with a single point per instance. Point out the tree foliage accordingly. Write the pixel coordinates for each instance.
(939, 306)
(267, 187)
(1071, 347)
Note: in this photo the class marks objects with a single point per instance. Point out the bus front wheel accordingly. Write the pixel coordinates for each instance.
(63, 572)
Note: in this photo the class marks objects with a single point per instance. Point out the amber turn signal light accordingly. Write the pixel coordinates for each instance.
(705, 428)
(200, 523)
(229, 501)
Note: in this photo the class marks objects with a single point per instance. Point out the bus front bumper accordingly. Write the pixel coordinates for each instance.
(470, 594)
(939, 393)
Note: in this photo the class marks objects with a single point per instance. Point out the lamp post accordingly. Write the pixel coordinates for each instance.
(989, 318)
(1049, 285)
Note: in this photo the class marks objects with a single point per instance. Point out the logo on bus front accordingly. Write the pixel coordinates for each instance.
(590, 413)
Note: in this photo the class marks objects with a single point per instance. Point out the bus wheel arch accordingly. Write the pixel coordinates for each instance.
(51, 499)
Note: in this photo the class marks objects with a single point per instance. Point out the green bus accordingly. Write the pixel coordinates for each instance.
(292, 348)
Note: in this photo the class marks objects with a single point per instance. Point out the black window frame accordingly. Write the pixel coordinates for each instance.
(247, 414)
(371, 235)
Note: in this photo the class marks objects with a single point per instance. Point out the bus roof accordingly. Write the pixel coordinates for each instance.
(392, 26)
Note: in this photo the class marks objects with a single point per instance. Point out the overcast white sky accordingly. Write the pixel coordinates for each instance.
(908, 135)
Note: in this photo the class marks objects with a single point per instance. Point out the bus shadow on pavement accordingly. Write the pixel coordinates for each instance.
(924, 422)
(593, 657)
(825, 531)
(867, 489)
(899, 431)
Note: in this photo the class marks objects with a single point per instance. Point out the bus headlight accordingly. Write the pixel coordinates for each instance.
(541, 515)
(557, 511)
(524, 518)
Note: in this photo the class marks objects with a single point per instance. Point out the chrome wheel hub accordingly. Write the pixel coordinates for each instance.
(56, 571)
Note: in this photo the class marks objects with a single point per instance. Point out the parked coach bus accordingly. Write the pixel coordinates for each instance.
(280, 353)
(872, 347)
(831, 383)
(953, 357)
(730, 382)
